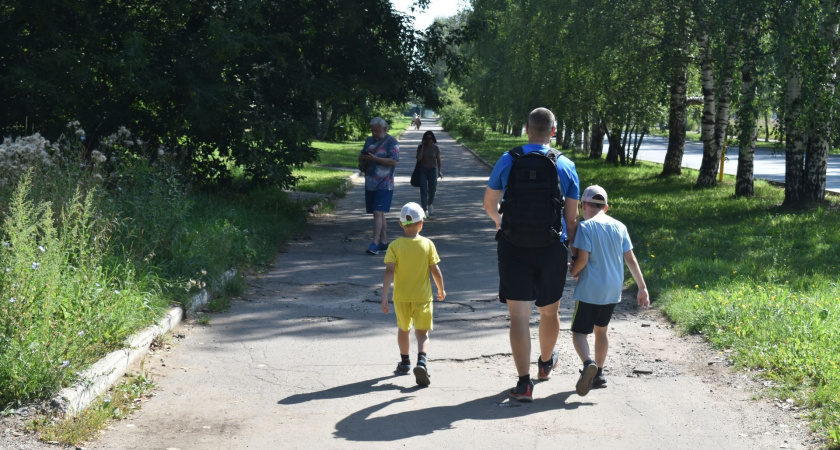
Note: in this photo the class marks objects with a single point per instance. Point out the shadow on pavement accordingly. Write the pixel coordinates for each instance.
(349, 390)
(360, 426)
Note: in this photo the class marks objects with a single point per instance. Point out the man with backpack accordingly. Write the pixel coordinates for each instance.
(531, 189)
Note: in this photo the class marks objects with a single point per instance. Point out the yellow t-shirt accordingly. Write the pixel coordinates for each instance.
(413, 257)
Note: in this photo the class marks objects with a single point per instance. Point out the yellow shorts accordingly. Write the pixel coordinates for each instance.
(417, 313)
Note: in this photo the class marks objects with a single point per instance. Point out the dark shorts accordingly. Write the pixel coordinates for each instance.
(532, 273)
(587, 315)
(378, 200)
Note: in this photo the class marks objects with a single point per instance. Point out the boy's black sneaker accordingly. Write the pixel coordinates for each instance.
(545, 368)
(403, 368)
(524, 392)
(587, 375)
(421, 374)
(599, 382)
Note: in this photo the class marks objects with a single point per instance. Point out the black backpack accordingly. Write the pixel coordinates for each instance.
(532, 206)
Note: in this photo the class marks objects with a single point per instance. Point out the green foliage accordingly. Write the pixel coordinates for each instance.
(129, 235)
(118, 404)
(755, 279)
(458, 116)
(61, 308)
(244, 79)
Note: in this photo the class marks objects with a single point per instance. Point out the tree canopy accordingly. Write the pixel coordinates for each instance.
(248, 79)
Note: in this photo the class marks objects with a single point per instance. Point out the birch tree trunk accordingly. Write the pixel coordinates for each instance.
(816, 153)
(747, 118)
(709, 165)
(794, 143)
(676, 123)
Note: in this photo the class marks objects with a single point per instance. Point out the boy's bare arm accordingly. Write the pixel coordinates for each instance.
(579, 263)
(437, 275)
(387, 278)
(643, 296)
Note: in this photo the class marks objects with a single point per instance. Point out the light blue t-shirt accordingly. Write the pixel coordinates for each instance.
(569, 182)
(606, 240)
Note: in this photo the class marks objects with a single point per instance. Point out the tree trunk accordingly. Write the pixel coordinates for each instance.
(639, 144)
(794, 140)
(614, 151)
(676, 124)
(586, 141)
(766, 126)
(517, 129)
(567, 136)
(747, 118)
(709, 165)
(816, 153)
(597, 146)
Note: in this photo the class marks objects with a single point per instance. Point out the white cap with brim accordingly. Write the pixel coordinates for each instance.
(594, 194)
(411, 213)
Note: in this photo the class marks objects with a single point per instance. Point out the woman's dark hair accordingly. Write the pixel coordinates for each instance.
(429, 133)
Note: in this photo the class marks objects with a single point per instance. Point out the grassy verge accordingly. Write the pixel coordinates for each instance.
(755, 279)
(91, 255)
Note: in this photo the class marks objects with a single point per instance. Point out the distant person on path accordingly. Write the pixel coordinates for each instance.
(533, 265)
(379, 158)
(428, 156)
(416, 122)
(603, 246)
(408, 262)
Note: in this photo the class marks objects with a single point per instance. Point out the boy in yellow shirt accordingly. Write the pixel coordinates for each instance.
(408, 262)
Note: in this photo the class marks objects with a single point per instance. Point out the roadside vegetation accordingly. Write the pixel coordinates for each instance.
(94, 249)
(756, 279)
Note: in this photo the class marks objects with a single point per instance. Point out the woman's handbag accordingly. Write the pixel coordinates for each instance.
(415, 176)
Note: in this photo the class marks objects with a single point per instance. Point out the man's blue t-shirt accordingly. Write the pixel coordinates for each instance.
(569, 183)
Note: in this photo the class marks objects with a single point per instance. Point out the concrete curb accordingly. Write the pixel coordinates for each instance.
(103, 374)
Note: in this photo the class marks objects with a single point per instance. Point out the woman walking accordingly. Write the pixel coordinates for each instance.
(428, 157)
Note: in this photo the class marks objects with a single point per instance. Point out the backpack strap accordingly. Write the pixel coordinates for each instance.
(516, 152)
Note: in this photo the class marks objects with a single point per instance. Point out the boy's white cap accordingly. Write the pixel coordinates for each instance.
(594, 194)
(411, 213)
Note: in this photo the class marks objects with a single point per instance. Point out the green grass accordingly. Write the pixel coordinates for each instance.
(753, 278)
(117, 404)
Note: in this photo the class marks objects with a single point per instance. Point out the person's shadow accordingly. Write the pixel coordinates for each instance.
(359, 426)
(348, 390)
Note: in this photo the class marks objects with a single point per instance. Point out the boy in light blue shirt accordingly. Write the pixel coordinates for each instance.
(603, 247)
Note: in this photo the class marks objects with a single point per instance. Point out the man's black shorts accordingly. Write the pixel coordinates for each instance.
(532, 273)
(587, 315)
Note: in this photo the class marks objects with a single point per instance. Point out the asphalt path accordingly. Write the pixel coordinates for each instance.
(768, 165)
(306, 358)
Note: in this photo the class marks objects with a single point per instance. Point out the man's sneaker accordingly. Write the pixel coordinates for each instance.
(599, 382)
(524, 392)
(373, 249)
(421, 374)
(584, 383)
(545, 368)
(431, 210)
(403, 368)
(383, 246)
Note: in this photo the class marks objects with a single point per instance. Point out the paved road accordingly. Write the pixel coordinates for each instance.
(305, 360)
(768, 166)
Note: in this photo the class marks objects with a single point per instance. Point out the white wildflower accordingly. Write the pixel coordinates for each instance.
(36, 265)
(41, 248)
(80, 132)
